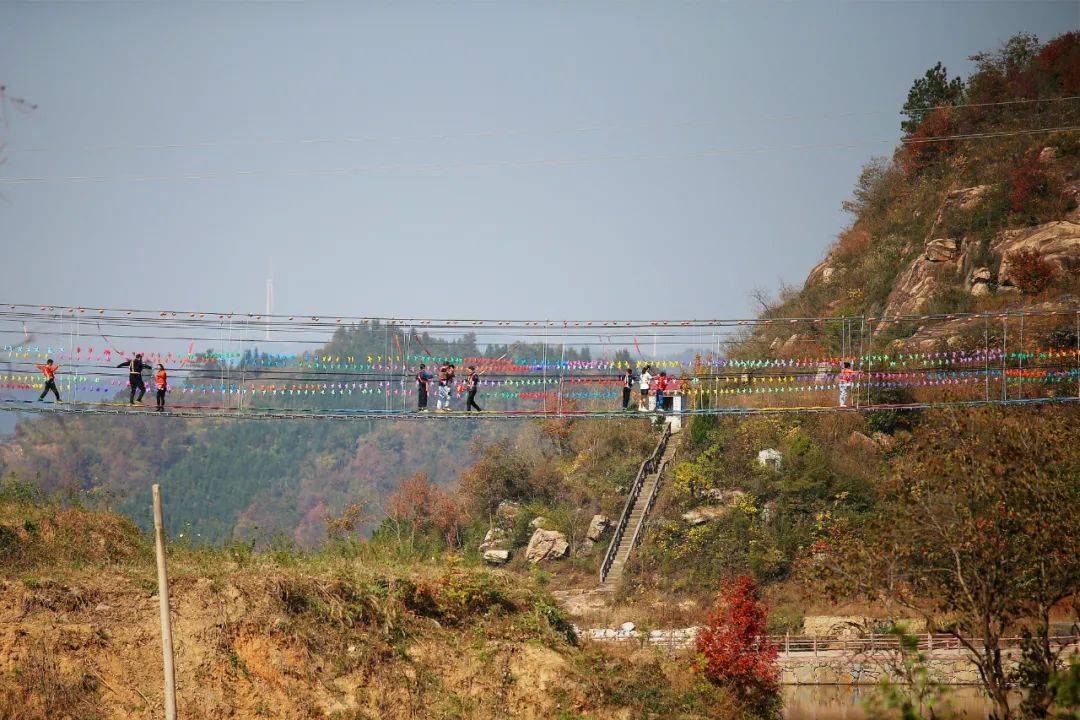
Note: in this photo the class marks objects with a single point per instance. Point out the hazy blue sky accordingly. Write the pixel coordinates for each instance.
(430, 221)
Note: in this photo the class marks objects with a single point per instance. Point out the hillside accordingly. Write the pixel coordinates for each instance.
(357, 631)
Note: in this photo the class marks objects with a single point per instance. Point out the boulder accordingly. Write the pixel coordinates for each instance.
(702, 515)
(943, 250)
(626, 628)
(980, 275)
(538, 522)
(597, 526)
(546, 545)
(770, 458)
(724, 497)
(496, 557)
(827, 275)
(1049, 154)
(963, 200)
(495, 536)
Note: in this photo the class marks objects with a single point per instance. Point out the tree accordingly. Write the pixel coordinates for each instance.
(932, 90)
(977, 532)
(734, 648)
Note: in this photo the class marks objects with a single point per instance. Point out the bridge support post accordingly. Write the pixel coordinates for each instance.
(929, 644)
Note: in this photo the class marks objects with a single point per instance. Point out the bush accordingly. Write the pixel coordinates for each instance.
(734, 646)
(1027, 182)
(1030, 272)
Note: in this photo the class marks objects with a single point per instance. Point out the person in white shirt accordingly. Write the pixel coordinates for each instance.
(646, 382)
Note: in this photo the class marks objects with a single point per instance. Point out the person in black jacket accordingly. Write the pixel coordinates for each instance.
(472, 385)
(422, 379)
(135, 368)
(627, 387)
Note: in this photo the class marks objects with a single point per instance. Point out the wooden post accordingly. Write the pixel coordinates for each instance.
(163, 603)
(929, 644)
(787, 642)
(815, 646)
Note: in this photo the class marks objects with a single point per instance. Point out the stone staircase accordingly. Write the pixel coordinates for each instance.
(611, 573)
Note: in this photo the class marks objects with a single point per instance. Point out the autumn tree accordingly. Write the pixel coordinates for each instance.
(420, 506)
(734, 649)
(977, 532)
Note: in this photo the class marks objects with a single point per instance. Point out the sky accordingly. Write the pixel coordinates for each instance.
(539, 160)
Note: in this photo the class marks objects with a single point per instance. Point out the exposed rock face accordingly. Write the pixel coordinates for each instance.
(932, 270)
(963, 200)
(597, 526)
(496, 557)
(702, 515)
(546, 545)
(1058, 242)
(1048, 154)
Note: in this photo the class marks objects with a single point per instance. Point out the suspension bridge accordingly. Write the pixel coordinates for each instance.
(250, 366)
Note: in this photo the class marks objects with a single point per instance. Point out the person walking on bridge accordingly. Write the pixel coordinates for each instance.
(135, 368)
(49, 371)
(661, 386)
(646, 382)
(627, 387)
(161, 382)
(845, 380)
(472, 384)
(423, 377)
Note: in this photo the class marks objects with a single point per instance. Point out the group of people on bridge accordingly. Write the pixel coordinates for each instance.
(136, 367)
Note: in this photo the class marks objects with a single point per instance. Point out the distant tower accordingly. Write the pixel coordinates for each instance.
(269, 304)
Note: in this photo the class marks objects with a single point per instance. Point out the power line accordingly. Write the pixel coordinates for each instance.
(494, 164)
(509, 132)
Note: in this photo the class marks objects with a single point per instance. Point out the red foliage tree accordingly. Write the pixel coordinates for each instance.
(1027, 182)
(1030, 271)
(734, 648)
(924, 147)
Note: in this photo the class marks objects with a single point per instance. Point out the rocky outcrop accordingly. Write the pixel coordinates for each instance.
(1057, 242)
(934, 269)
(770, 458)
(597, 527)
(961, 200)
(546, 545)
(702, 515)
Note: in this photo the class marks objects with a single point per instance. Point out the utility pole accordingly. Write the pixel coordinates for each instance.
(163, 603)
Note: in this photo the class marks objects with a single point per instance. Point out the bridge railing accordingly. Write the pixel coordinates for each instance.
(648, 465)
(810, 645)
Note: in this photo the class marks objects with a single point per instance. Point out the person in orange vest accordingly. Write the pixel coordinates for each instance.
(161, 382)
(49, 371)
(845, 380)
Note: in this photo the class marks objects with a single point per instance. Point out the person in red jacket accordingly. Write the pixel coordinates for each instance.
(49, 371)
(661, 386)
(845, 380)
(161, 382)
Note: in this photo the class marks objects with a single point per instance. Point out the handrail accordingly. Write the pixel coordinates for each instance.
(647, 466)
(794, 645)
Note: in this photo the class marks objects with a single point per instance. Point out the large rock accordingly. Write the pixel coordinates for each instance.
(597, 526)
(1057, 242)
(538, 522)
(496, 557)
(943, 250)
(958, 200)
(724, 497)
(702, 515)
(495, 537)
(770, 458)
(546, 545)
